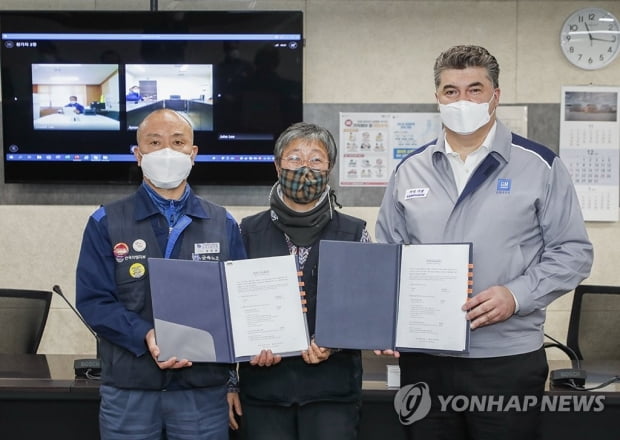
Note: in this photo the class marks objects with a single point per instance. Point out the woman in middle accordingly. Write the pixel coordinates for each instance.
(316, 395)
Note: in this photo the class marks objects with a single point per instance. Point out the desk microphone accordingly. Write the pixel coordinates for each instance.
(89, 368)
(568, 377)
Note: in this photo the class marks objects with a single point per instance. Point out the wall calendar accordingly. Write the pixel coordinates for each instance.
(589, 147)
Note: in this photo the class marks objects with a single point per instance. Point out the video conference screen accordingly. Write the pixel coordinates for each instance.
(76, 85)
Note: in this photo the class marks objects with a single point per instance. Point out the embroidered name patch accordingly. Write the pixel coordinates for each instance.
(205, 257)
(415, 193)
(206, 248)
(503, 185)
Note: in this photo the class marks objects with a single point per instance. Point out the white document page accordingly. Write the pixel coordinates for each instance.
(265, 306)
(433, 287)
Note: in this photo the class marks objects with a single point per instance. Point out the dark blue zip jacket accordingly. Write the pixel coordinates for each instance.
(113, 292)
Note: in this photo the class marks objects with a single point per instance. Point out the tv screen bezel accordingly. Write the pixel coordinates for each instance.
(251, 161)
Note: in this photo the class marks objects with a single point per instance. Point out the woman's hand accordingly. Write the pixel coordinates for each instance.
(234, 409)
(315, 354)
(394, 353)
(265, 359)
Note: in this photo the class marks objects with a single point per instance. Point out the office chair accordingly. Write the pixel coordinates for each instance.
(23, 314)
(594, 325)
(562, 347)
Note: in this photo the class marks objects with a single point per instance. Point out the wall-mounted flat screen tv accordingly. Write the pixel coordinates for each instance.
(75, 86)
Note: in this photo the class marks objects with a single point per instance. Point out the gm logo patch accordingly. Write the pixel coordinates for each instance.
(503, 185)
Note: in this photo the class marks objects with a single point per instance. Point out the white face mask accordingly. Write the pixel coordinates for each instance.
(465, 117)
(166, 168)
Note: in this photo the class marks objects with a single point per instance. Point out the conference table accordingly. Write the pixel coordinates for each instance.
(40, 398)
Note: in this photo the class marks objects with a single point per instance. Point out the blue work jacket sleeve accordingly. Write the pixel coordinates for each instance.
(96, 297)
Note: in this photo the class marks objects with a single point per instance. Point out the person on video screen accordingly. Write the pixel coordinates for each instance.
(134, 94)
(78, 108)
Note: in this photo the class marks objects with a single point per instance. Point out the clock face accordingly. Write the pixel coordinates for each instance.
(590, 38)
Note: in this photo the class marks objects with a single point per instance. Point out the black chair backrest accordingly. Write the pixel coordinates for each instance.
(594, 326)
(23, 314)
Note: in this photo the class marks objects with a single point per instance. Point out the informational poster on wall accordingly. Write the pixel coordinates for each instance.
(590, 147)
(372, 144)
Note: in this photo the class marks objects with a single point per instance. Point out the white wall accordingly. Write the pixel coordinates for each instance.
(357, 51)
(382, 51)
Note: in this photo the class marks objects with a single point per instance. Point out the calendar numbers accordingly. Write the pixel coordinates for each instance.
(590, 148)
(592, 168)
(595, 175)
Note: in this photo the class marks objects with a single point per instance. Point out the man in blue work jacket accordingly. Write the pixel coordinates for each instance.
(142, 397)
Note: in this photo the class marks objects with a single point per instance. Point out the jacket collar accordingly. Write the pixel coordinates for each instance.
(501, 144)
(145, 208)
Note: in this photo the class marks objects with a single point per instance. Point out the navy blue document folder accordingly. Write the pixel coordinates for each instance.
(201, 308)
(190, 311)
(359, 285)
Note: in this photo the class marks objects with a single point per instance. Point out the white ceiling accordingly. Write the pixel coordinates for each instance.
(72, 73)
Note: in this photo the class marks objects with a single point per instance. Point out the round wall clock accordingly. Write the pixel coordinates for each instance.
(590, 38)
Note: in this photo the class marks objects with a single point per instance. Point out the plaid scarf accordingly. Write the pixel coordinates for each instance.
(302, 228)
(303, 185)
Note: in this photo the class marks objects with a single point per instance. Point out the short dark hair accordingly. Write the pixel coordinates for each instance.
(461, 57)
